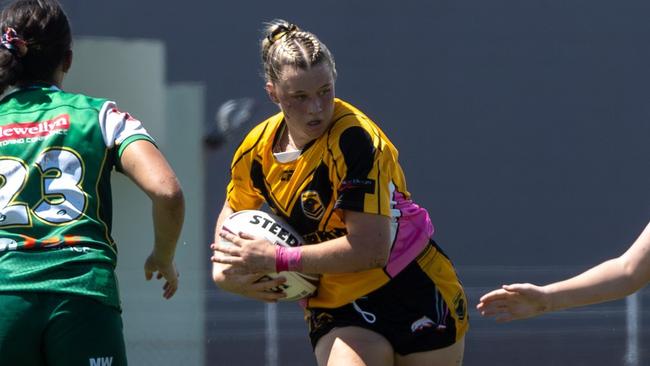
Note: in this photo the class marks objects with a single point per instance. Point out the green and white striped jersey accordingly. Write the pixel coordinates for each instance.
(57, 151)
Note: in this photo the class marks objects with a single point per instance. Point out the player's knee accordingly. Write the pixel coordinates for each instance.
(353, 346)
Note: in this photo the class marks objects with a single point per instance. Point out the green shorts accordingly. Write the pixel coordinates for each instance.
(42, 328)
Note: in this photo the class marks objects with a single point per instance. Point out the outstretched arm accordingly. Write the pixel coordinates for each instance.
(612, 279)
(145, 165)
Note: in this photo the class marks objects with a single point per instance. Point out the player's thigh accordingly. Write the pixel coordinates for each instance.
(85, 332)
(353, 346)
(448, 356)
(21, 325)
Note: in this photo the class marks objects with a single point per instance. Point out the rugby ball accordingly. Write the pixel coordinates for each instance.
(274, 229)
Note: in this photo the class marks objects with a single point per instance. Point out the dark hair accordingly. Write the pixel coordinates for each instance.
(44, 27)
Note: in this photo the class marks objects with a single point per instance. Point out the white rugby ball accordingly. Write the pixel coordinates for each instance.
(274, 229)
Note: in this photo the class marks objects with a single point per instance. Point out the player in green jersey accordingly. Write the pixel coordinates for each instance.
(58, 293)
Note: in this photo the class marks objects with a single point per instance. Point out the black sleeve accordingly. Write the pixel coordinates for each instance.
(359, 156)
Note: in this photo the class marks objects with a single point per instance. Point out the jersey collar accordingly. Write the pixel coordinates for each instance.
(42, 86)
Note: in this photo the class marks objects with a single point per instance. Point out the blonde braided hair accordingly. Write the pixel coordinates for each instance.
(286, 44)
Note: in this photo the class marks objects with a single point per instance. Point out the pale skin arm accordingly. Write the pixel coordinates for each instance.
(243, 284)
(145, 165)
(366, 246)
(610, 280)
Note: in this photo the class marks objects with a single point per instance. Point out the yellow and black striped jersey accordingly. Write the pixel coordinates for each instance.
(352, 166)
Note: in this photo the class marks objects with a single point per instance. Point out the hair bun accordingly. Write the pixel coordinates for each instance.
(281, 30)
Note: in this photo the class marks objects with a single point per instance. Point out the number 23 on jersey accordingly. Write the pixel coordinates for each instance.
(60, 201)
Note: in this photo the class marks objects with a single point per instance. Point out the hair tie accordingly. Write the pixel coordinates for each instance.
(13, 43)
(273, 37)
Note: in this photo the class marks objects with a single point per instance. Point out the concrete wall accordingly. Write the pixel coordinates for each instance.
(522, 127)
(158, 332)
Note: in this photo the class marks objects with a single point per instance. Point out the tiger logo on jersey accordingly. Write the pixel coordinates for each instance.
(312, 205)
(286, 175)
(459, 305)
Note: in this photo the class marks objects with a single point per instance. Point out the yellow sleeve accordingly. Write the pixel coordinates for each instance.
(240, 194)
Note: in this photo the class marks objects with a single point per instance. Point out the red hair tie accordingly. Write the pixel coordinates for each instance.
(12, 42)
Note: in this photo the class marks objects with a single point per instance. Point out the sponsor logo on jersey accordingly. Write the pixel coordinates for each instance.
(365, 185)
(30, 130)
(54, 242)
(312, 205)
(321, 236)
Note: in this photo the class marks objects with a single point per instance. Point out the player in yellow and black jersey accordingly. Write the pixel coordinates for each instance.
(333, 175)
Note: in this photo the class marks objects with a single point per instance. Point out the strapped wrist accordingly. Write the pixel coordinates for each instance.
(288, 259)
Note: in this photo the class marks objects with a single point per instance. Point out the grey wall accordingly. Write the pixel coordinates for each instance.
(522, 126)
(158, 332)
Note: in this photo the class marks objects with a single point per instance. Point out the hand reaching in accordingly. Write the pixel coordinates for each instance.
(514, 302)
(164, 269)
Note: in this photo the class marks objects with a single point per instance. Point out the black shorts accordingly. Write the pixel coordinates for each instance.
(422, 309)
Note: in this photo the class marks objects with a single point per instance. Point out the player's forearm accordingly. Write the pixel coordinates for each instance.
(168, 214)
(344, 254)
(366, 246)
(609, 280)
(225, 212)
(218, 276)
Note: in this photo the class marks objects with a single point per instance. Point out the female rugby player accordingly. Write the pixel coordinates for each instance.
(388, 295)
